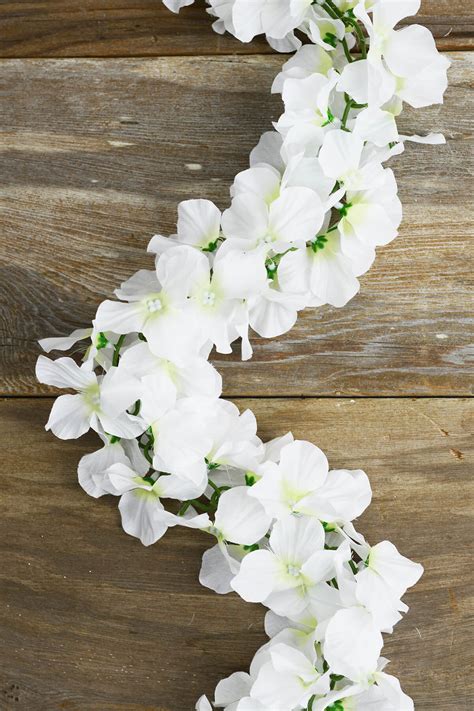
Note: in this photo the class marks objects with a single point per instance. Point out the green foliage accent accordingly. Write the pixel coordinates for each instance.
(101, 341)
(318, 243)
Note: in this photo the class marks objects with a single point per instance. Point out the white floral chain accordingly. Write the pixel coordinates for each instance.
(302, 226)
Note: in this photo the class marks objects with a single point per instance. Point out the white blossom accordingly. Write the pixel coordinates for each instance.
(303, 224)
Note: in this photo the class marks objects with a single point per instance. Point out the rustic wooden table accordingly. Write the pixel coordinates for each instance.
(105, 109)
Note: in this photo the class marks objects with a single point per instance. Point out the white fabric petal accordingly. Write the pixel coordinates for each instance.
(399, 572)
(268, 150)
(376, 596)
(240, 517)
(344, 496)
(122, 479)
(232, 689)
(377, 126)
(198, 222)
(92, 468)
(260, 180)
(389, 13)
(64, 343)
(409, 50)
(352, 644)
(216, 573)
(303, 465)
(340, 153)
(255, 579)
(179, 269)
(64, 373)
(69, 417)
(273, 314)
(294, 540)
(118, 391)
(120, 317)
(296, 215)
(143, 516)
(203, 703)
(246, 218)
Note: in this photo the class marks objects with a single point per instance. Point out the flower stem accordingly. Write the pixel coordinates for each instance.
(345, 115)
(334, 12)
(118, 346)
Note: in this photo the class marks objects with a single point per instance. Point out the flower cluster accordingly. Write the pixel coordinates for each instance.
(303, 224)
(330, 594)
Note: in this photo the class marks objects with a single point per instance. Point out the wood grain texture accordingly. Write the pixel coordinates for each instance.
(94, 28)
(90, 620)
(97, 153)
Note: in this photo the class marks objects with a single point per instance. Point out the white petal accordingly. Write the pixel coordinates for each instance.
(399, 572)
(276, 690)
(234, 688)
(295, 539)
(241, 274)
(255, 579)
(352, 644)
(198, 222)
(340, 153)
(344, 496)
(203, 704)
(371, 224)
(272, 451)
(179, 268)
(120, 317)
(376, 596)
(199, 378)
(138, 286)
(388, 14)
(355, 81)
(260, 180)
(240, 517)
(122, 479)
(303, 465)
(92, 467)
(69, 417)
(64, 343)
(268, 150)
(319, 567)
(410, 50)
(215, 572)
(246, 218)
(175, 6)
(143, 516)
(432, 139)
(332, 277)
(390, 686)
(118, 391)
(272, 314)
(296, 215)
(122, 425)
(246, 18)
(293, 271)
(376, 126)
(63, 373)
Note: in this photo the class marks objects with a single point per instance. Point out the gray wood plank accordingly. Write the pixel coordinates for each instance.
(90, 620)
(95, 157)
(127, 28)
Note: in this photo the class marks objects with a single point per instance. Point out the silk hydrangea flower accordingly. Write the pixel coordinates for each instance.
(303, 225)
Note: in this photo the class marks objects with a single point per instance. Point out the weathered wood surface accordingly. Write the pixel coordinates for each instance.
(93, 28)
(92, 621)
(95, 155)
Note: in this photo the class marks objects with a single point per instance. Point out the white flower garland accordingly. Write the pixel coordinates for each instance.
(302, 226)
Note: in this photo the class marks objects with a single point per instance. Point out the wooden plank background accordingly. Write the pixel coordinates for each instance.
(125, 28)
(94, 156)
(93, 620)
